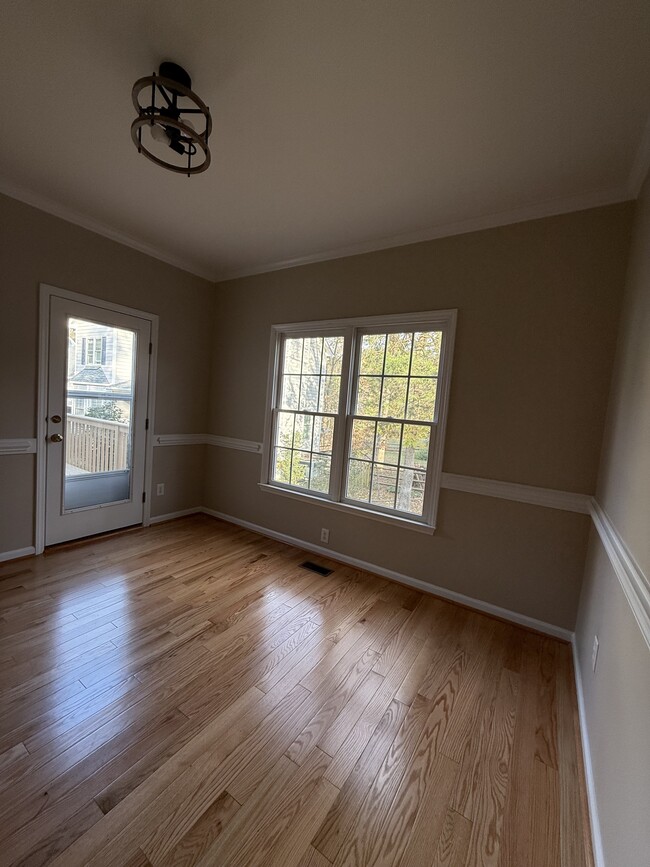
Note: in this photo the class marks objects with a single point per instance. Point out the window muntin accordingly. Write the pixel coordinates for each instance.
(307, 406)
(358, 413)
(395, 399)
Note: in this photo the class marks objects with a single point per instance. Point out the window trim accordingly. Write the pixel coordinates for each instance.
(440, 320)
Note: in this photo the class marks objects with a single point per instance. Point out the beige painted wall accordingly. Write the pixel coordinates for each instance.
(538, 307)
(38, 248)
(617, 695)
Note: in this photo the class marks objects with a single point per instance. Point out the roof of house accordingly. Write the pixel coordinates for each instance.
(92, 375)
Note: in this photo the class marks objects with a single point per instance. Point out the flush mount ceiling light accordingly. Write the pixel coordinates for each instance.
(165, 123)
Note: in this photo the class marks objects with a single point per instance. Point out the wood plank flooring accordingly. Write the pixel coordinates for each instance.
(189, 695)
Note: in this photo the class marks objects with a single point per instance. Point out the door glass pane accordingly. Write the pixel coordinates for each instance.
(98, 422)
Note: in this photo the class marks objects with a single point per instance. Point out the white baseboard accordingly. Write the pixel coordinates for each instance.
(15, 555)
(470, 602)
(160, 519)
(594, 821)
(435, 590)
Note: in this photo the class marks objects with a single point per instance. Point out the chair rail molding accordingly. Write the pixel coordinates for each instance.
(179, 439)
(18, 447)
(208, 440)
(233, 443)
(634, 582)
(565, 500)
(552, 499)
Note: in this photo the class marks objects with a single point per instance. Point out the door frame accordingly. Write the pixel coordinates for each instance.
(46, 292)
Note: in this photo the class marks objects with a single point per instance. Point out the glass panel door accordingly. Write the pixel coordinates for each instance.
(99, 401)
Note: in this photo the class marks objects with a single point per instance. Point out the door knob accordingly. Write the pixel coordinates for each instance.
(57, 438)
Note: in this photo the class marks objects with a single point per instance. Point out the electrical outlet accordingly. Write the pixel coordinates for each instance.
(594, 653)
(325, 535)
(160, 489)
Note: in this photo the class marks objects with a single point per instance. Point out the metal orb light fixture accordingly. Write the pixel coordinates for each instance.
(168, 117)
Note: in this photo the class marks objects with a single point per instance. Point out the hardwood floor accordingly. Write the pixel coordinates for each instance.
(189, 695)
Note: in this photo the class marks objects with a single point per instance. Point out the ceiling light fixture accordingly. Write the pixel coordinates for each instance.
(168, 121)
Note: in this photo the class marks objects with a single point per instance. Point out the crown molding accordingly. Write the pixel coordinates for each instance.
(550, 208)
(28, 197)
(641, 164)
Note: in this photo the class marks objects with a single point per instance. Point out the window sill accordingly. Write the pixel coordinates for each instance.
(356, 510)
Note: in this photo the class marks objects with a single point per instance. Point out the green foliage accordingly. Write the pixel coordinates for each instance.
(400, 359)
(108, 410)
(397, 383)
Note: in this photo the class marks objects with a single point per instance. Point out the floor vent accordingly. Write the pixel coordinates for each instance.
(314, 567)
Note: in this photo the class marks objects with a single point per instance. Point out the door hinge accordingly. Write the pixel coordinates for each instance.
(146, 424)
(144, 496)
(150, 348)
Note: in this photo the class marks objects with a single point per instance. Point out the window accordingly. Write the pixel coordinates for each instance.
(357, 411)
(94, 351)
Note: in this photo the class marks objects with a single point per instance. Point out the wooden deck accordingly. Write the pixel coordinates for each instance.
(187, 694)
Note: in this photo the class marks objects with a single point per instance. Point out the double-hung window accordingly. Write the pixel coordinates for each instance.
(357, 411)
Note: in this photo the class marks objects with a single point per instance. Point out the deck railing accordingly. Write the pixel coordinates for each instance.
(96, 445)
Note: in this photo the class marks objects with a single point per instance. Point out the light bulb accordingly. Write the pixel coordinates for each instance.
(159, 134)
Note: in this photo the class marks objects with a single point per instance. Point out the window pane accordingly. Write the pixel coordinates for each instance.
(422, 399)
(387, 442)
(320, 473)
(426, 353)
(332, 355)
(410, 491)
(368, 392)
(393, 399)
(285, 429)
(415, 446)
(329, 394)
(398, 354)
(359, 481)
(302, 432)
(300, 469)
(309, 393)
(384, 486)
(282, 466)
(323, 434)
(290, 392)
(311, 355)
(363, 438)
(292, 355)
(372, 353)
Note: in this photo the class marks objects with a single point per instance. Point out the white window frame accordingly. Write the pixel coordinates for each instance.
(351, 330)
(97, 344)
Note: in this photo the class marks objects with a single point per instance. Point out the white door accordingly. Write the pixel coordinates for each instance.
(98, 377)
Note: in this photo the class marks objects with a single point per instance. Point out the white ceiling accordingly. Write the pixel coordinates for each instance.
(339, 125)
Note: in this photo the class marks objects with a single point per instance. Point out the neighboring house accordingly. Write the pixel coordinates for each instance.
(100, 362)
